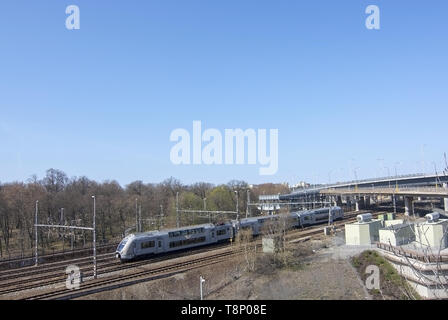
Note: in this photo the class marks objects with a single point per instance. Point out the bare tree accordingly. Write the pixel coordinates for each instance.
(115, 207)
(248, 247)
(275, 229)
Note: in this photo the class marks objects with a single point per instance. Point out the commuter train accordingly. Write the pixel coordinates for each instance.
(155, 242)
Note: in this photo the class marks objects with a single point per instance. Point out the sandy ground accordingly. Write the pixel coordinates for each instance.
(323, 271)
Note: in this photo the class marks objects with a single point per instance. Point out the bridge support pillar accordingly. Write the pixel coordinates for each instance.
(408, 206)
(362, 202)
(334, 200)
(339, 201)
(356, 204)
(445, 200)
(349, 203)
(367, 202)
(394, 201)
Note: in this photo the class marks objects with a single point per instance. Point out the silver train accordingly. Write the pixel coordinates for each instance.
(155, 242)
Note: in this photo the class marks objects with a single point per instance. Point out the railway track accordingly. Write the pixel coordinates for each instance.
(318, 229)
(114, 282)
(20, 263)
(55, 273)
(51, 267)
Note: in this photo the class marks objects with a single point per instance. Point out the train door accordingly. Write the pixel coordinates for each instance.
(159, 245)
(133, 249)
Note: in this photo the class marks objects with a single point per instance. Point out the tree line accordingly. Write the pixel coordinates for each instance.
(68, 201)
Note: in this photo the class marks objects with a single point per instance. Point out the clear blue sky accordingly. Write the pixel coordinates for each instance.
(102, 101)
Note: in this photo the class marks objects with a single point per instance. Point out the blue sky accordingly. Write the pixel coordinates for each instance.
(102, 101)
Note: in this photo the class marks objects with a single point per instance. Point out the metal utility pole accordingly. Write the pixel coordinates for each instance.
(35, 233)
(136, 215)
(356, 177)
(445, 171)
(177, 209)
(94, 237)
(140, 218)
(237, 210)
(201, 281)
(70, 227)
(161, 217)
(435, 172)
(248, 203)
(396, 175)
(62, 216)
(205, 209)
(72, 234)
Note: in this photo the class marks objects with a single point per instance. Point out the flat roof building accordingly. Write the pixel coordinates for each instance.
(432, 234)
(397, 234)
(362, 233)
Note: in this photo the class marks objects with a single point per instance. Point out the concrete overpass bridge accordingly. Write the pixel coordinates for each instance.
(409, 194)
(408, 187)
(408, 181)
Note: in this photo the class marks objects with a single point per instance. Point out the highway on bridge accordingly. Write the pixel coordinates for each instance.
(417, 192)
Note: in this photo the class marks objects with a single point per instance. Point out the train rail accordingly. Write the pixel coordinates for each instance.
(54, 274)
(114, 282)
(57, 275)
(23, 262)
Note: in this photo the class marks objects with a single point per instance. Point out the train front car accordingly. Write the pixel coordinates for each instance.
(124, 251)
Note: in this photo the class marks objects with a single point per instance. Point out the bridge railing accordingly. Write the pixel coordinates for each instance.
(392, 189)
(363, 181)
(391, 178)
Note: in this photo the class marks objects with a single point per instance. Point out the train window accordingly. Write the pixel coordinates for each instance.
(213, 234)
(221, 232)
(147, 244)
(186, 242)
(175, 244)
(185, 232)
(160, 243)
(122, 244)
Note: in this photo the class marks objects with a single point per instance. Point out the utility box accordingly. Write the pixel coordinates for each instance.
(432, 234)
(362, 233)
(397, 234)
(272, 244)
(391, 216)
